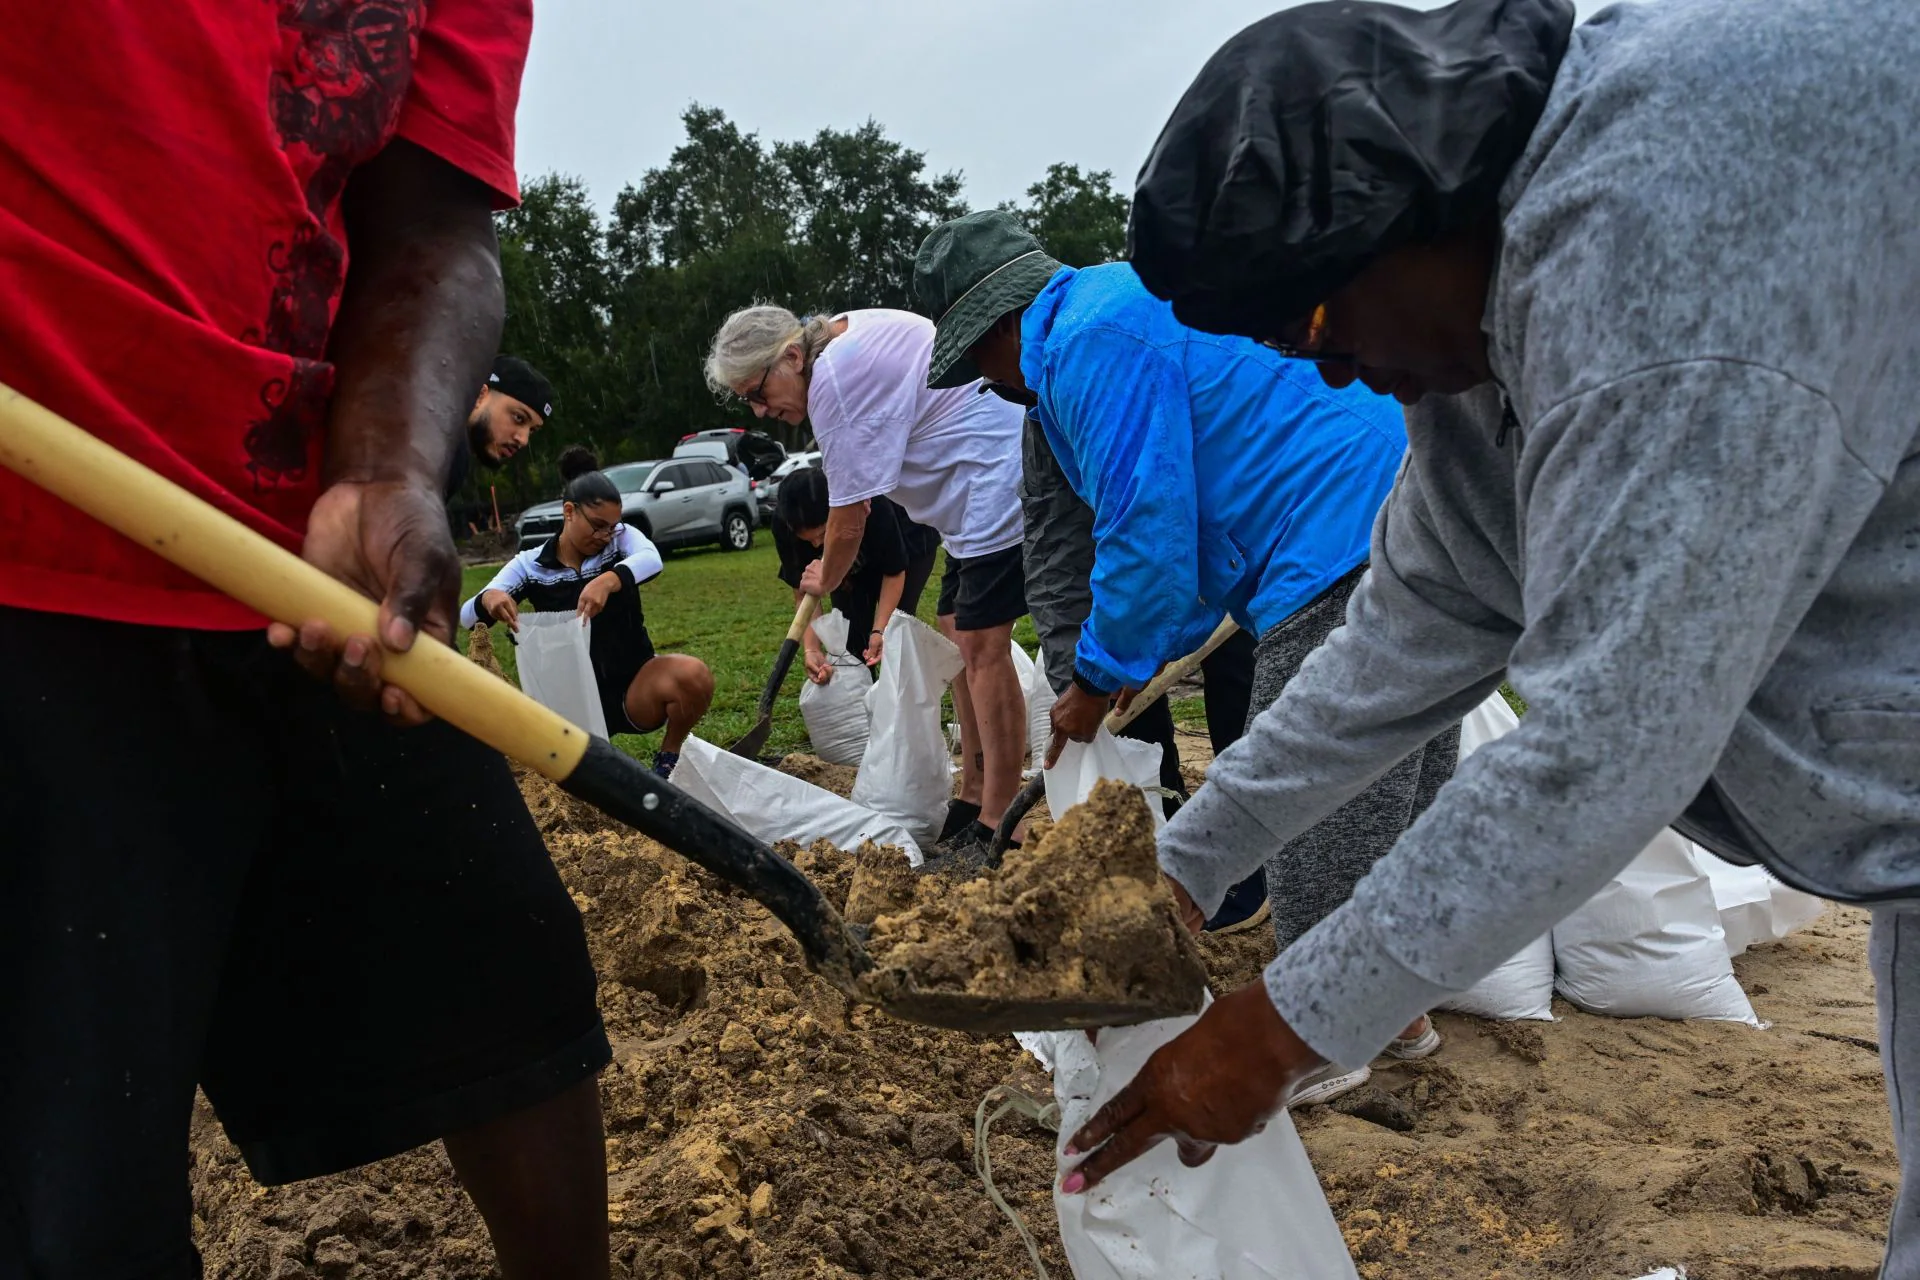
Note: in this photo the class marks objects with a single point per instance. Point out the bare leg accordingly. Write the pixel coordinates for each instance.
(971, 773)
(539, 1178)
(673, 690)
(1000, 710)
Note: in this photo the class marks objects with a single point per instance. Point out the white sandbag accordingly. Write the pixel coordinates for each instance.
(906, 773)
(1649, 944)
(1754, 907)
(1040, 699)
(556, 669)
(773, 806)
(1523, 986)
(1081, 764)
(835, 713)
(1255, 1211)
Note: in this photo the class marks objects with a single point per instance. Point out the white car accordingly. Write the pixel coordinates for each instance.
(678, 502)
(770, 487)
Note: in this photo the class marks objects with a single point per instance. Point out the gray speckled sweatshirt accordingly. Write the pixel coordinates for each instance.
(1697, 552)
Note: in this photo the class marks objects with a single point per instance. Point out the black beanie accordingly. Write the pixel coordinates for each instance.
(514, 377)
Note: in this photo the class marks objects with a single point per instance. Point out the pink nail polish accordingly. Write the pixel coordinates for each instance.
(1075, 1183)
(1072, 1150)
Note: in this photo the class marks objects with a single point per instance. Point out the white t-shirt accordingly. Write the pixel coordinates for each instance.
(950, 458)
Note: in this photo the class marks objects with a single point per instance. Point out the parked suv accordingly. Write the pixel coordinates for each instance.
(679, 502)
(755, 453)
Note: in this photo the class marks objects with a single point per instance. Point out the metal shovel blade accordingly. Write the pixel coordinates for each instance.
(896, 992)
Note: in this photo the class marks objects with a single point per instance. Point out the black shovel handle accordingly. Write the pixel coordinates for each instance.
(783, 661)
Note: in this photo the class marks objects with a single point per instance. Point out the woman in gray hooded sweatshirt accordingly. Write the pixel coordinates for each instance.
(1651, 289)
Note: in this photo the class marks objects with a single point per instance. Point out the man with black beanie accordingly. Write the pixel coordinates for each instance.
(516, 401)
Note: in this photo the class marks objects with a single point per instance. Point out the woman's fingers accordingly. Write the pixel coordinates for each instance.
(1119, 1133)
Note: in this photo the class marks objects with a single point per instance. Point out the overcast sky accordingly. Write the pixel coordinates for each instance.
(993, 88)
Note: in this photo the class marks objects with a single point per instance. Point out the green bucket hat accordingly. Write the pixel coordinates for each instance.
(969, 273)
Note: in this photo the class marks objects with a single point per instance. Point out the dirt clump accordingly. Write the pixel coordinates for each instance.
(1079, 916)
(837, 778)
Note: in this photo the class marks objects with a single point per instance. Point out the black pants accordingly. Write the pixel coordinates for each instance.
(350, 936)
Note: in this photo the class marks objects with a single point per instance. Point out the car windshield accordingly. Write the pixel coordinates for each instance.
(632, 477)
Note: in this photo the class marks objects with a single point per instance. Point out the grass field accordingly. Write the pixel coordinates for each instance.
(730, 610)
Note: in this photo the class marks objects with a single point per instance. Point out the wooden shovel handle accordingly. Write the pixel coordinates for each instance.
(803, 616)
(161, 516)
(1170, 675)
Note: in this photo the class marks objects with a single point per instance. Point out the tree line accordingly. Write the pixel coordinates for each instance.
(618, 312)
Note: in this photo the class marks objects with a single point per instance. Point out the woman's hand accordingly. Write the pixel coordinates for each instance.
(500, 606)
(819, 670)
(876, 647)
(593, 597)
(1219, 1081)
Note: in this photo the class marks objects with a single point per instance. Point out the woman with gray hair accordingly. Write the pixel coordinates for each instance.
(951, 458)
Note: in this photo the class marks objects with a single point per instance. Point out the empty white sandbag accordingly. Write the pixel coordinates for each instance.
(906, 773)
(773, 806)
(556, 669)
(1040, 698)
(1255, 1211)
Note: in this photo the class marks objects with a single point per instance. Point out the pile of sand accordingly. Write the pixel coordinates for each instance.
(760, 1126)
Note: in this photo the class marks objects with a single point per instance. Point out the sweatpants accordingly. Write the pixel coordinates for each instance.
(1314, 874)
(1894, 956)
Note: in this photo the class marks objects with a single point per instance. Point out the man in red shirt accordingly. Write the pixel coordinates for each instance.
(251, 245)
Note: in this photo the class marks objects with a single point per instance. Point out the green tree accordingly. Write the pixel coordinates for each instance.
(1081, 219)
(863, 206)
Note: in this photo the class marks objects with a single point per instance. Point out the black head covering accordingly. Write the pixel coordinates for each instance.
(1325, 135)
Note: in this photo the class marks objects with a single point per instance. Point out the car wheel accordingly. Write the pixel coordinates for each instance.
(737, 533)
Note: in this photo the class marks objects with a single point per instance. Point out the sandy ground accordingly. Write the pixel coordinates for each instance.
(758, 1127)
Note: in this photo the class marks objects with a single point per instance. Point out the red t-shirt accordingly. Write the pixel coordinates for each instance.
(172, 250)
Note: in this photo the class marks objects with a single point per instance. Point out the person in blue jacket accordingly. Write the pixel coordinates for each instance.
(1224, 478)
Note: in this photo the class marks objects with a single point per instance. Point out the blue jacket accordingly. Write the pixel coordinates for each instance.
(1223, 478)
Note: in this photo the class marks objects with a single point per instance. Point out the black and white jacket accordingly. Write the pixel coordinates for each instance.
(620, 644)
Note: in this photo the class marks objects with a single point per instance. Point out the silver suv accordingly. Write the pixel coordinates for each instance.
(681, 502)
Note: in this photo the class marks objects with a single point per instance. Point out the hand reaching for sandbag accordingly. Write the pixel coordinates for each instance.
(1217, 1082)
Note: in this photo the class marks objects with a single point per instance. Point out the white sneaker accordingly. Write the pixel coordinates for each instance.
(1424, 1045)
(1327, 1083)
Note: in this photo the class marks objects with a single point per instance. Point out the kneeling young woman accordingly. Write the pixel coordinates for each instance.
(594, 566)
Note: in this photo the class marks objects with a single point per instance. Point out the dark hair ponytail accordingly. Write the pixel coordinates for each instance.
(584, 484)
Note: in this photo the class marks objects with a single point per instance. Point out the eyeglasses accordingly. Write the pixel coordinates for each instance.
(598, 528)
(1303, 341)
(759, 393)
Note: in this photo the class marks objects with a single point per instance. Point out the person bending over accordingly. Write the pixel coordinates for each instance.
(593, 568)
(1652, 287)
(889, 572)
(950, 458)
(1222, 477)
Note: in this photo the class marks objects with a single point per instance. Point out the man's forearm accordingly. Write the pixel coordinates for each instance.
(846, 526)
(419, 321)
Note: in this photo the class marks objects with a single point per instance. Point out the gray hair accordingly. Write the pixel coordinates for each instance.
(752, 338)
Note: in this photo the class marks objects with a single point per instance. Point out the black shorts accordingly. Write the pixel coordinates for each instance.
(212, 873)
(984, 591)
